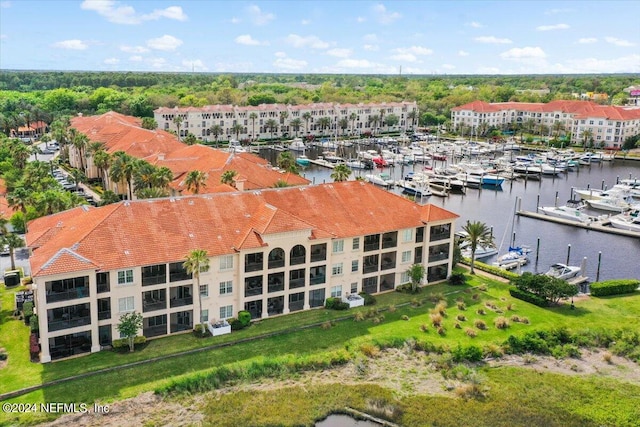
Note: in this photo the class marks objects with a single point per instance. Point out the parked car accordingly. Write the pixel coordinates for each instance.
(5, 251)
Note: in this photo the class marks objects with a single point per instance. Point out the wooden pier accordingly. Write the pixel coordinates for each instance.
(601, 226)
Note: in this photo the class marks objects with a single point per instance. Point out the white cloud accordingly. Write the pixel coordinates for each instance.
(463, 53)
(166, 43)
(415, 50)
(289, 64)
(492, 40)
(5, 4)
(127, 14)
(356, 63)
(556, 11)
(157, 62)
(448, 66)
(361, 19)
(258, 17)
(619, 42)
(247, 40)
(194, 65)
(524, 53)
(235, 20)
(134, 49)
(371, 47)
(309, 41)
(476, 25)
(587, 40)
(305, 22)
(370, 38)
(111, 61)
(280, 55)
(135, 58)
(405, 57)
(383, 16)
(71, 44)
(625, 64)
(3, 36)
(340, 53)
(553, 27)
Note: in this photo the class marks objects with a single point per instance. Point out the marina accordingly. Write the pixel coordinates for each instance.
(610, 252)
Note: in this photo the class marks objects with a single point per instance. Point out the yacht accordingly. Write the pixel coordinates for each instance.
(627, 221)
(563, 271)
(611, 203)
(383, 179)
(297, 145)
(566, 212)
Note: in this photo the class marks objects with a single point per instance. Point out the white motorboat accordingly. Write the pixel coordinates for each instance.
(627, 221)
(359, 164)
(566, 212)
(563, 271)
(514, 257)
(482, 251)
(383, 180)
(612, 204)
(590, 157)
(297, 145)
(414, 188)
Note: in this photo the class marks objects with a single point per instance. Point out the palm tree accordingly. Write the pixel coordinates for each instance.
(477, 233)
(340, 173)
(558, 128)
(108, 197)
(216, 130)
(283, 118)
(197, 262)
(20, 153)
(295, 124)
(122, 169)
(381, 118)
(151, 193)
(343, 123)
(237, 128)
(162, 177)
(412, 115)
(286, 162)
(228, 177)
(178, 121)
(272, 125)
(373, 119)
(102, 161)
(80, 142)
(14, 242)
(587, 135)
(306, 117)
(281, 184)
(324, 123)
(353, 117)
(60, 131)
(77, 176)
(143, 174)
(195, 181)
(416, 274)
(19, 198)
(391, 120)
(253, 116)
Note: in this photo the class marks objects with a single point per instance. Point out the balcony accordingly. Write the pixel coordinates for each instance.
(318, 279)
(276, 262)
(296, 283)
(295, 260)
(178, 327)
(154, 331)
(154, 305)
(102, 315)
(252, 266)
(66, 295)
(318, 256)
(250, 291)
(439, 236)
(66, 323)
(368, 247)
(103, 287)
(179, 302)
(439, 256)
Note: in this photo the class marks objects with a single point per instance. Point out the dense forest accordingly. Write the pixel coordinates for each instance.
(27, 96)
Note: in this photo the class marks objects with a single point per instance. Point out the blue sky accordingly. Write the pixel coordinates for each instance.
(356, 37)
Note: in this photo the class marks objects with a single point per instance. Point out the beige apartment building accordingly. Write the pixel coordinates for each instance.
(272, 252)
(253, 121)
(607, 126)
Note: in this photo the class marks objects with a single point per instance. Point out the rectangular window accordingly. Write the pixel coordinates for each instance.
(204, 290)
(407, 235)
(125, 277)
(125, 304)
(226, 311)
(354, 265)
(226, 287)
(354, 288)
(356, 243)
(404, 277)
(253, 262)
(177, 272)
(338, 246)
(336, 269)
(154, 274)
(205, 316)
(419, 234)
(336, 291)
(226, 262)
(406, 256)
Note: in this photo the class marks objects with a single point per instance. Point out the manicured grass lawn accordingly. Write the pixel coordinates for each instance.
(613, 312)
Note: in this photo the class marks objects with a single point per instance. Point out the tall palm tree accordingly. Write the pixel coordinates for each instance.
(353, 117)
(177, 120)
(477, 234)
(102, 161)
(195, 181)
(143, 174)
(197, 262)
(295, 124)
(253, 116)
(237, 128)
(343, 123)
(151, 193)
(587, 135)
(80, 142)
(373, 120)
(283, 118)
(558, 128)
(306, 117)
(412, 115)
(381, 116)
(20, 153)
(162, 177)
(228, 177)
(340, 173)
(123, 168)
(216, 130)
(286, 162)
(324, 123)
(19, 198)
(60, 131)
(272, 125)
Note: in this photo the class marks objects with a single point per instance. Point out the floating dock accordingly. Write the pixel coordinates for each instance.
(323, 162)
(601, 226)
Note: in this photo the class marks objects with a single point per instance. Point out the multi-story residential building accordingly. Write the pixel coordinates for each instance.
(585, 121)
(118, 132)
(277, 120)
(271, 252)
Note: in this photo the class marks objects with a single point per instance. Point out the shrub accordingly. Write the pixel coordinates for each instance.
(461, 306)
(515, 318)
(457, 279)
(470, 332)
(481, 312)
(441, 308)
(392, 308)
(501, 322)
(528, 297)
(27, 311)
(368, 298)
(424, 327)
(406, 288)
(524, 320)
(475, 297)
(436, 297)
(236, 325)
(325, 325)
(482, 288)
(372, 312)
(480, 324)
(370, 350)
(492, 350)
(415, 302)
(471, 353)
(244, 317)
(457, 325)
(33, 323)
(124, 343)
(442, 330)
(510, 307)
(405, 317)
(358, 317)
(335, 304)
(607, 357)
(614, 287)
(461, 317)
(436, 319)
(3, 356)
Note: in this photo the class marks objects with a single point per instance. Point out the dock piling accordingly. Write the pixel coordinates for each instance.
(537, 249)
(568, 253)
(598, 270)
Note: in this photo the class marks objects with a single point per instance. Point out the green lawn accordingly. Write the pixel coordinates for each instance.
(613, 312)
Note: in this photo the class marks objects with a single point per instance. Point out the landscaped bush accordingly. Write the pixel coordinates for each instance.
(368, 298)
(406, 288)
(471, 332)
(201, 331)
(528, 297)
(501, 322)
(33, 323)
(441, 308)
(457, 279)
(244, 317)
(124, 343)
(480, 324)
(461, 317)
(436, 319)
(614, 287)
(470, 353)
(336, 304)
(461, 305)
(27, 311)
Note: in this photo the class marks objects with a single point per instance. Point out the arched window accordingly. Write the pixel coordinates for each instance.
(298, 255)
(276, 258)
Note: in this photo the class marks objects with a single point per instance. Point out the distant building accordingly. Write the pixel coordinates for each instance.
(607, 126)
(634, 95)
(271, 252)
(344, 119)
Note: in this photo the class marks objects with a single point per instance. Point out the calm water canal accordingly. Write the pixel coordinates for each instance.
(620, 255)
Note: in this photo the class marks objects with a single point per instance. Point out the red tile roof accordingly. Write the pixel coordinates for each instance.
(146, 232)
(579, 109)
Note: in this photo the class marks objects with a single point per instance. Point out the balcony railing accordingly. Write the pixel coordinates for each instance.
(368, 247)
(389, 243)
(253, 266)
(439, 236)
(75, 293)
(104, 315)
(295, 260)
(58, 324)
(388, 265)
(276, 263)
(103, 287)
(276, 287)
(296, 283)
(296, 305)
(152, 306)
(438, 256)
(369, 268)
(318, 279)
(179, 302)
(249, 292)
(177, 327)
(154, 331)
